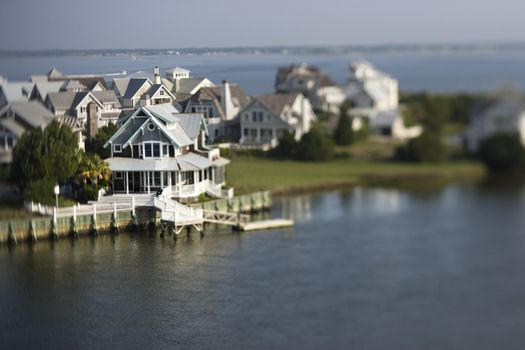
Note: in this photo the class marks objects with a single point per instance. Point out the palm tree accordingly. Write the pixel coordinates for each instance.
(93, 169)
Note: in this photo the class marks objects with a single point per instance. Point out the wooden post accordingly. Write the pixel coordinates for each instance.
(11, 236)
(32, 232)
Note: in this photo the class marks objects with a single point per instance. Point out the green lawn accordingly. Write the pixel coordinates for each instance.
(248, 174)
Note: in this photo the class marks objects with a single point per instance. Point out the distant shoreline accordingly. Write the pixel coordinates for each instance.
(279, 50)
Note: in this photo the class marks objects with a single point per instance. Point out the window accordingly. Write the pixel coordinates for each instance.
(147, 150)
(118, 175)
(117, 148)
(254, 116)
(151, 126)
(161, 92)
(245, 132)
(164, 150)
(193, 110)
(261, 116)
(82, 109)
(156, 150)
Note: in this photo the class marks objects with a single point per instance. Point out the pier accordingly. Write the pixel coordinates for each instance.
(120, 213)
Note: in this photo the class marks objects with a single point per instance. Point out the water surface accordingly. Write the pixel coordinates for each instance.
(362, 269)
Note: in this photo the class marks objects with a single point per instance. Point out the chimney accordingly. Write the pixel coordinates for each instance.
(156, 72)
(226, 100)
(92, 120)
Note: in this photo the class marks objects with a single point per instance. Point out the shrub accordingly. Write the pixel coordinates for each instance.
(315, 145)
(40, 191)
(287, 147)
(88, 193)
(428, 147)
(502, 153)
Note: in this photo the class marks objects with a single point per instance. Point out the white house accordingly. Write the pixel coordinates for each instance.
(157, 147)
(370, 90)
(136, 92)
(266, 118)
(14, 92)
(220, 106)
(111, 109)
(313, 83)
(501, 117)
(391, 124)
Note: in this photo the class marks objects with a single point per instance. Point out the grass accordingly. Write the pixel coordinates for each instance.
(249, 174)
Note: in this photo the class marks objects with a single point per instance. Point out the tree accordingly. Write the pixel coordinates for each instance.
(92, 169)
(315, 145)
(96, 145)
(428, 147)
(344, 134)
(50, 155)
(502, 152)
(287, 147)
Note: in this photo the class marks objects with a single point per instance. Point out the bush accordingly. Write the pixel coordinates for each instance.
(88, 193)
(315, 145)
(40, 191)
(428, 147)
(344, 135)
(502, 153)
(287, 147)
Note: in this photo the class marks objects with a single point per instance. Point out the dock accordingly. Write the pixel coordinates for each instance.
(266, 224)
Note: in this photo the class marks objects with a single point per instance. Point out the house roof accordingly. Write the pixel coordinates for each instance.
(32, 113)
(121, 85)
(277, 102)
(177, 70)
(191, 123)
(16, 91)
(134, 86)
(106, 96)
(384, 118)
(71, 85)
(13, 126)
(188, 85)
(64, 101)
(54, 73)
(214, 95)
(45, 87)
(284, 74)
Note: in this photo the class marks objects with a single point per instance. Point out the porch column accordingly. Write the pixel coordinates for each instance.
(169, 178)
(258, 135)
(127, 182)
(149, 181)
(195, 177)
(161, 179)
(179, 180)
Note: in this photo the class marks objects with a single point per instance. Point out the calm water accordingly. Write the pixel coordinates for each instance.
(364, 269)
(469, 71)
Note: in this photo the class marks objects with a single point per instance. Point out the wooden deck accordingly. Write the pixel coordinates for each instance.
(266, 224)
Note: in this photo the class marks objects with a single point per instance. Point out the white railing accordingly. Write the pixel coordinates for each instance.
(80, 209)
(195, 190)
(178, 213)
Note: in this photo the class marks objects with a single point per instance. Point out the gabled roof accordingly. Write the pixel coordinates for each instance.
(134, 86)
(120, 85)
(65, 101)
(72, 85)
(54, 73)
(214, 95)
(156, 87)
(181, 129)
(278, 102)
(188, 85)
(45, 87)
(31, 113)
(16, 91)
(106, 96)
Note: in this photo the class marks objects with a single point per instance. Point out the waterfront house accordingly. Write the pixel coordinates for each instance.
(180, 82)
(313, 83)
(220, 106)
(88, 81)
(156, 147)
(370, 90)
(17, 118)
(506, 116)
(266, 118)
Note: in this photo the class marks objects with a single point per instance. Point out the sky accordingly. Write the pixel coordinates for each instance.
(102, 24)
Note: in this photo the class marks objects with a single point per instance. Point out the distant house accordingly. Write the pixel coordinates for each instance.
(180, 82)
(14, 92)
(220, 106)
(111, 109)
(137, 92)
(156, 147)
(370, 90)
(266, 118)
(88, 81)
(17, 118)
(391, 124)
(506, 116)
(313, 83)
